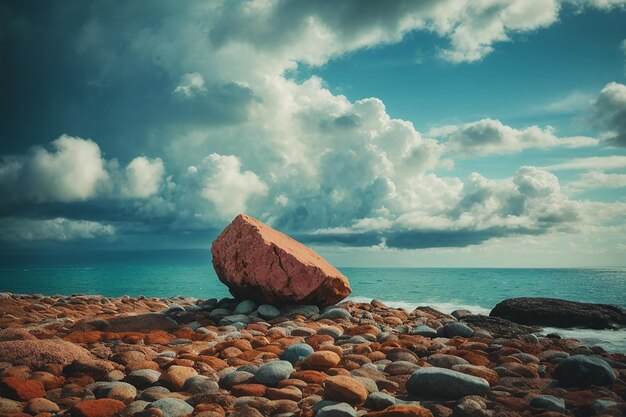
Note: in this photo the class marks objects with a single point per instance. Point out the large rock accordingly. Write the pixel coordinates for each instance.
(583, 371)
(38, 353)
(259, 263)
(499, 327)
(560, 313)
(444, 383)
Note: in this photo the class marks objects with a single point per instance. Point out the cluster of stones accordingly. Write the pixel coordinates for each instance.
(98, 357)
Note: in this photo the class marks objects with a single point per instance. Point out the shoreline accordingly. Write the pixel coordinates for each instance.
(147, 356)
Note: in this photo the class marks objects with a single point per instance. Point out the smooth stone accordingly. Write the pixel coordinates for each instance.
(424, 330)
(273, 372)
(245, 307)
(122, 391)
(268, 312)
(336, 314)
(335, 332)
(173, 309)
(548, 402)
(323, 403)
(296, 352)
(442, 360)
(172, 407)
(154, 393)
(379, 401)
(143, 378)
(302, 310)
(41, 405)
(200, 384)
(234, 318)
(235, 378)
(134, 407)
(9, 406)
(583, 371)
(218, 313)
(600, 405)
(457, 329)
(209, 304)
(337, 410)
(444, 383)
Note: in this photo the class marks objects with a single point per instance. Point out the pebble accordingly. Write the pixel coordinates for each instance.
(423, 330)
(245, 307)
(336, 314)
(445, 383)
(172, 407)
(457, 329)
(584, 371)
(344, 389)
(296, 352)
(548, 402)
(336, 410)
(268, 312)
(273, 372)
(379, 401)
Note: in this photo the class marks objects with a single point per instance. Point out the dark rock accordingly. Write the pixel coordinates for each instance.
(560, 313)
(444, 383)
(499, 327)
(584, 371)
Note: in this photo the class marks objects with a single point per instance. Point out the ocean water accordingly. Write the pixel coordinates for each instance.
(445, 289)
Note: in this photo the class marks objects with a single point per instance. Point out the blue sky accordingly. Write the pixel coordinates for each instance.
(435, 133)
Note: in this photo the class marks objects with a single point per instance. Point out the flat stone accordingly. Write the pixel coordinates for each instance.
(268, 312)
(457, 329)
(379, 401)
(336, 314)
(172, 407)
(245, 307)
(584, 371)
(273, 372)
(445, 383)
(337, 410)
(424, 330)
(548, 402)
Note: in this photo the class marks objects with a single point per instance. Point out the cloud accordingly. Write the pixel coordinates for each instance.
(609, 113)
(571, 103)
(58, 229)
(143, 177)
(594, 162)
(488, 136)
(190, 85)
(598, 179)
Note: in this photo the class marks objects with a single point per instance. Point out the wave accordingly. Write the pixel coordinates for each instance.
(444, 307)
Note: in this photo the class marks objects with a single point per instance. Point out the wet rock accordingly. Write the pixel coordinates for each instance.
(499, 327)
(268, 312)
(548, 402)
(457, 329)
(36, 354)
(321, 360)
(584, 371)
(445, 383)
(245, 307)
(560, 313)
(379, 401)
(143, 378)
(401, 410)
(105, 407)
(259, 263)
(22, 390)
(423, 330)
(336, 410)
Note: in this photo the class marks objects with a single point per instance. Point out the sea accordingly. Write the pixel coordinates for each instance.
(191, 274)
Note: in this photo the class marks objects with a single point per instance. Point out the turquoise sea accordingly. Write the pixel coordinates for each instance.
(191, 274)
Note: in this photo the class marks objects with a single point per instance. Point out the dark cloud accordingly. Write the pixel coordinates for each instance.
(609, 113)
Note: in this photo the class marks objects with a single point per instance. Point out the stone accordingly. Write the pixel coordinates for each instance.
(336, 314)
(175, 376)
(402, 410)
(117, 390)
(9, 406)
(22, 390)
(424, 330)
(500, 327)
(245, 307)
(41, 405)
(344, 389)
(235, 378)
(296, 352)
(104, 407)
(321, 360)
(584, 371)
(336, 410)
(134, 407)
(199, 384)
(273, 372)
(445, 383)
(152, 394)
(548, 402)
(143, 323)
(143, 378)
(377, 401)
(560, 313)
(442, 360)
(401, 368)
(259, 263)
(172, 407)
(36, 354)
(268, 312)
(457, 329)
(306, 310)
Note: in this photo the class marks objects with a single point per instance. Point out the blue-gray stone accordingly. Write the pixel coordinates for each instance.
(336, 314)
(235, 378)
(337, 410)
(424, 330)
(143, 378)
(219, 313)
(457, 329)
(335, 332)
(296, 352)
(548, 402)
(248, 368)
(200, 384)
(209, 304)
(584, 371)
(168, 354)
(445, 383)
(303, 310)
(172, 407)
(173, 309)
(273, 372)
(379, 401)
(268, 312)
(152, 394)
(180, 342)
(321, 404)
(245, 307)
(600, 405)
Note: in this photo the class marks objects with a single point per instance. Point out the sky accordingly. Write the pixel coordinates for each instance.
(450, 133)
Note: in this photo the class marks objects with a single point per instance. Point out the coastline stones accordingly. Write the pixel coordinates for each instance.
(22, 390)
(296, 352)
(344, 389)
(38, 353)
(273, 372)
(172, 407)
(560, 313)
(337, 410)
(105, 407)
(584, 371)
(259, 263)
(268, 312)
(445, 383)
(423, 330)
(322, 359)
(548, 402)
(457, 329)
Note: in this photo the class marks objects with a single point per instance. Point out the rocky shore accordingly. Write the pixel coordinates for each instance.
(93, 356)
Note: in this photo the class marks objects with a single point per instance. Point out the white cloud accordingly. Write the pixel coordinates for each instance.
(594, 162)
(609, 113)
(60, 229)
(143, 177)
(570, 103)
(488, 136)
(190, 85)
(598, 179)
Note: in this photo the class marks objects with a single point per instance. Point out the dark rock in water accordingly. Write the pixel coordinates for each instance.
(499, 327)
(259, 263)
(560, 313)
(444, 383)
(584, 371)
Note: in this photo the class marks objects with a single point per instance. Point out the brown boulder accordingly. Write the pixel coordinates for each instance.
(104, 407)
(259, 263)
(38, 353)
